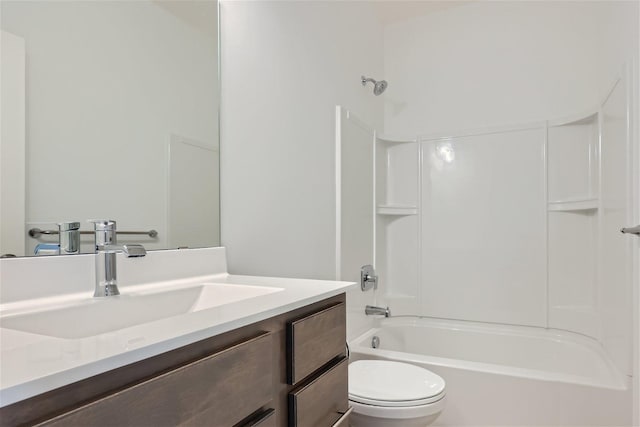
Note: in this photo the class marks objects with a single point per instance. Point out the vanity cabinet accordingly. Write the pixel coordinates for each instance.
(316, 365)
(227, 387)
(288, 370)
(323, 400)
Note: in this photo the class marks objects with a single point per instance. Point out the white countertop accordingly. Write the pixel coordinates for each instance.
(31, 364)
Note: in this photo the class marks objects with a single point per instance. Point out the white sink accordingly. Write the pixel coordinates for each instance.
(95, 316)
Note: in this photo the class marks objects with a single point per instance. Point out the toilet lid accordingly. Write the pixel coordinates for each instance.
(389, 383)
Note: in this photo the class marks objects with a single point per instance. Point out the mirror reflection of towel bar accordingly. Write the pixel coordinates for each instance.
(36, 232)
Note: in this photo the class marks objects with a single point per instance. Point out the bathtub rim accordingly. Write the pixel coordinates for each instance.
(615, 381)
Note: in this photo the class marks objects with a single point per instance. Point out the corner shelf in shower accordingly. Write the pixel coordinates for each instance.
(588, 117)
(394, 139)
(397, 210)
(574, 205)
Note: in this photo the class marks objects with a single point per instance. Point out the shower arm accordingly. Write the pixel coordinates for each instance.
(367, 79)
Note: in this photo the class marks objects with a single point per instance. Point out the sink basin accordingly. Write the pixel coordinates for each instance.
(96, 316)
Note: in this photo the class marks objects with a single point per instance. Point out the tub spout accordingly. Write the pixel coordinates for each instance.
(371, 310)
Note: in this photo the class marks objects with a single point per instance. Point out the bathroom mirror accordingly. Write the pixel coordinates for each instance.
(110, 110)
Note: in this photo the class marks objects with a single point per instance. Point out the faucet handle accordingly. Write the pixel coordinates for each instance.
(105, 232)
(103, 224)
(68, 226)
(368, 278)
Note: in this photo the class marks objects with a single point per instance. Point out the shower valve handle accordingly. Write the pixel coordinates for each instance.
(368, 278)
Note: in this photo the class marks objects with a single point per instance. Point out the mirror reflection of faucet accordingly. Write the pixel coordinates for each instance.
(106, 248)
(69, 238)
(68, 241)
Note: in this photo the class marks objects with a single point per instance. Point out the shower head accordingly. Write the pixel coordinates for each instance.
(378, 86)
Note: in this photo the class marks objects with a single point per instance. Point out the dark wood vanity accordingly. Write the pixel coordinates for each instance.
(288, 370)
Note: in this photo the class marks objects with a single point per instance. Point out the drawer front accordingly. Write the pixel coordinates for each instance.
(266, 418)
(219, 390)
(323, 401)
(315, 340)
(343, 421)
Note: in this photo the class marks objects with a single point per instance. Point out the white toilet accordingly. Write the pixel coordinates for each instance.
(385, 393)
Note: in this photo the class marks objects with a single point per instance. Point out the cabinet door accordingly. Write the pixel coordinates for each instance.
(219, 390)
(323, 401)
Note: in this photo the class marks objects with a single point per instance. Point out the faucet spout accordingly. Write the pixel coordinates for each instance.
(130, 250)
(106, 250)
(106, 274)
(371, 310)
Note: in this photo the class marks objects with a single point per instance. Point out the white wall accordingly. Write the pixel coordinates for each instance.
(285, 66)
(619, 27)
(12, 144)
(107, 85)
(491, 63)
(483, 229)
(355, 239)
(635, 162)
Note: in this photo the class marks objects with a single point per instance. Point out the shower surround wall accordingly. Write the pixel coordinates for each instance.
(512, 225)
(491, 204)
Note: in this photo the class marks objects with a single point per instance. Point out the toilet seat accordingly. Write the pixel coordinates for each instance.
(392, 404)
(390, 384)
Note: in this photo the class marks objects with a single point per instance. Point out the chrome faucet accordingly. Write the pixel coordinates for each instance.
(106, 250)
(371, 310)
(68, 238)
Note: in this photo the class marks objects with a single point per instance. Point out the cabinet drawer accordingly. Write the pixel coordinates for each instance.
(219, 390)
(314, 340)
(343, 421)
(266, 418)
(323, 401)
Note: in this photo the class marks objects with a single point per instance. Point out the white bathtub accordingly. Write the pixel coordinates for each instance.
(507, 375)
